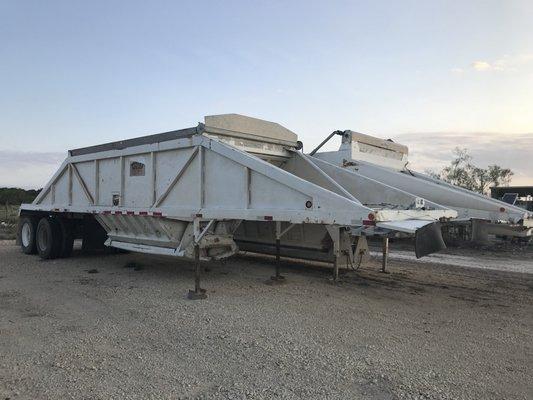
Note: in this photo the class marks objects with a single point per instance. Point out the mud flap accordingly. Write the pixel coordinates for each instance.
(428, 239)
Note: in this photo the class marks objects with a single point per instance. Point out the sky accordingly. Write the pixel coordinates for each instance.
(429, 74)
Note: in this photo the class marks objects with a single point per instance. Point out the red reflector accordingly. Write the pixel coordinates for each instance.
(268, 218)
(502, 209)
(367, 222)
(106, 212)
(118, 212)
(130, 212)
(143, 212)
(371, 217)
(157, 214)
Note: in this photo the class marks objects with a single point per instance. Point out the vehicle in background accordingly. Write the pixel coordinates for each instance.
(520, 196)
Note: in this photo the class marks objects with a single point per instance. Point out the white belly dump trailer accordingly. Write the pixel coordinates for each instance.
(386, 162)
(233, 182)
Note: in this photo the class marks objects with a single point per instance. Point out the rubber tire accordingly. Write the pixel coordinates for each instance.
(67, 238)
(49, 227)
(31, 248)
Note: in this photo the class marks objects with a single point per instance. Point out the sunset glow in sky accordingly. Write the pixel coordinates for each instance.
(432, 75)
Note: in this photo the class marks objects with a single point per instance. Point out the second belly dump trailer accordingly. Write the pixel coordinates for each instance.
(387, 162)
(231, 183)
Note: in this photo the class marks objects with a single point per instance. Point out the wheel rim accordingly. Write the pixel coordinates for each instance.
(42, 239)
(26, 234)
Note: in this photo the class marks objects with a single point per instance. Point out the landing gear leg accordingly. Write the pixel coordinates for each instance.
(385, 257)
(198, 293)
(335, 232)
(278, 278)
(336, 269)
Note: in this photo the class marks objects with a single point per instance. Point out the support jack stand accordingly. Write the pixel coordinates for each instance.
(385, 257)
(335, 278)
(277, 279)
(198, 293)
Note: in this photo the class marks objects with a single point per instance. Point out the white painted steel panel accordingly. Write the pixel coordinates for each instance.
(225, 182)
(87, 174)
(410, 226)
(168, 163)
(185, 193)
(60, 190)
(268, 194)
(109, 180)
(135, 197)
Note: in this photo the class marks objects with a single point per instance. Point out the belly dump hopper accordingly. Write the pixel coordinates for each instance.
(204, 192)
(386, 162)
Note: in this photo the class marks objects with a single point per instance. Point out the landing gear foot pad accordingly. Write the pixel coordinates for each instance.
(199, 295)
(276, 280)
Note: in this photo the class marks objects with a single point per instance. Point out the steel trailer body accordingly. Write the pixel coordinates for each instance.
(230, 182)
(386, 162)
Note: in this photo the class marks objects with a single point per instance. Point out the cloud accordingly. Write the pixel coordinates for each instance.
(506, 63)
(512, 63)
(481, 66)
(28, 170)
(434, 151)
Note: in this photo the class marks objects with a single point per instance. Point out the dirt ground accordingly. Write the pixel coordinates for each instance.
(119, 326)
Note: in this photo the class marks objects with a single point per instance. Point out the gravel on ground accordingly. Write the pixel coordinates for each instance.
(119, 326)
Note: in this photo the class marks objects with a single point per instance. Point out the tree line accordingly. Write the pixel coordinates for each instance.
(16, 196)
(462, 172)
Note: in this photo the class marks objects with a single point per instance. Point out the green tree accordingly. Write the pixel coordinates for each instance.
(462, 172)
(16, 196)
